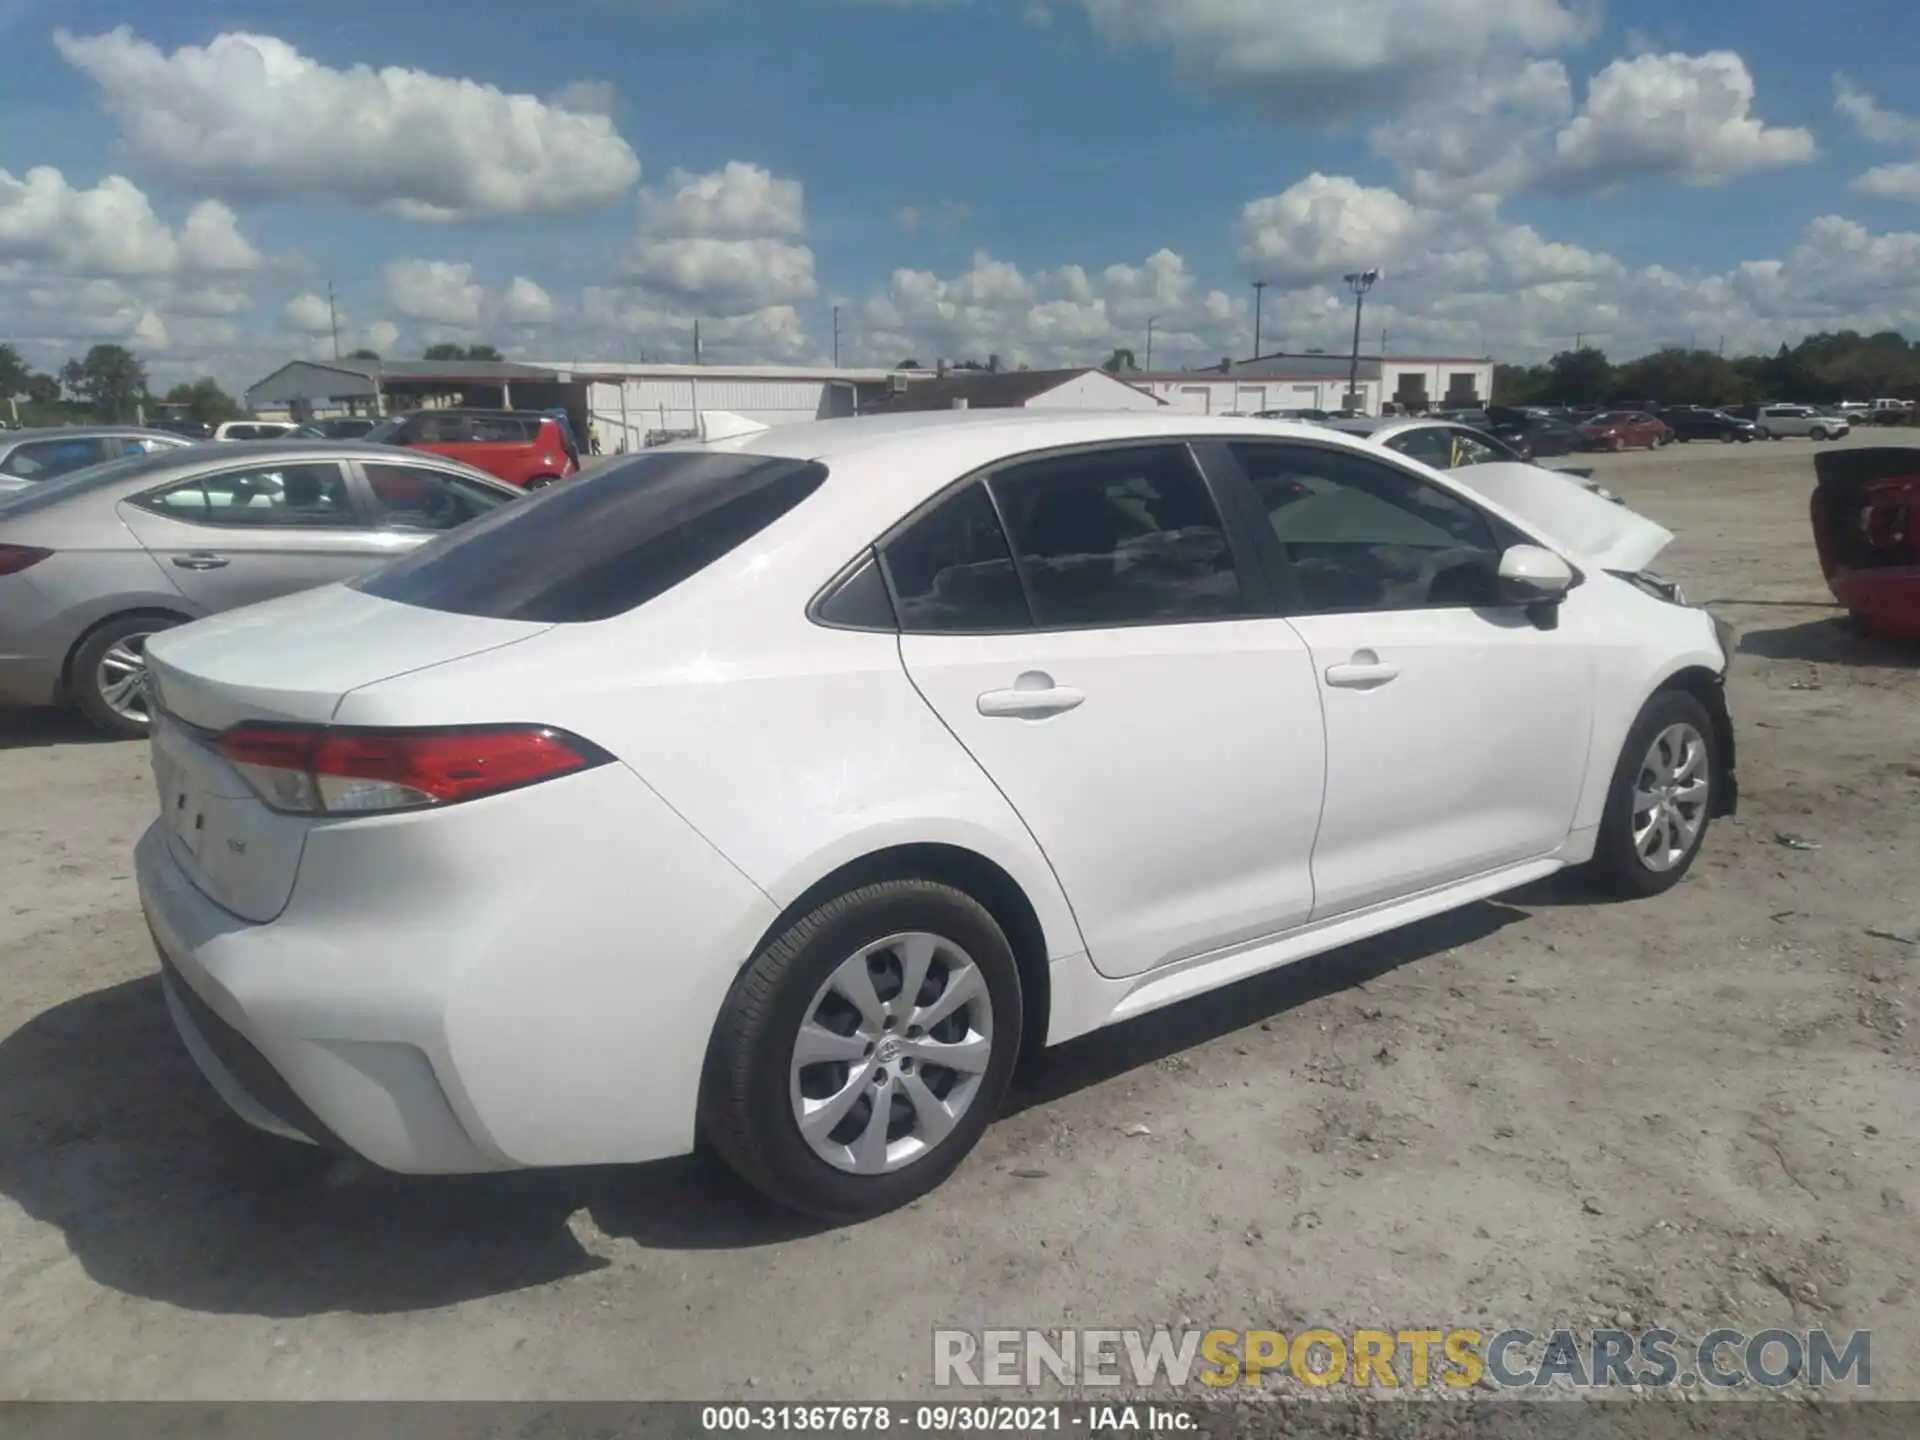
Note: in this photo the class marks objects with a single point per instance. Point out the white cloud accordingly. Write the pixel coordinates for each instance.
(251, 117)
(736, 202)
(1899, 181)
(1874, 122)
(439, 293)
(586, 97)
(309, 314)
(1891, 182)
(1484, 139)
(1310, 61)
(1323, 226)
(1687, 117)
(724, 244)
(111, 229)
(526, 303)
(1066, 316)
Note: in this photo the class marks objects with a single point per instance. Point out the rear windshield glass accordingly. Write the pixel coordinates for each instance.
(596, 547)
(63, 488)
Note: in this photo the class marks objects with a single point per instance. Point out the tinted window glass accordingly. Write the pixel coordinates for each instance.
(1430, 445)
(497, 430)
(1362, 536)
(1469, 449)
(388, 432)
(44, 459)
(1118, 537)
(412, 497)
(952, 570)
(276, 496)
(82, 482)
(600, 546)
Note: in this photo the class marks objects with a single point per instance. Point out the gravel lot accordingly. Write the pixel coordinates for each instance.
(1702, 1110)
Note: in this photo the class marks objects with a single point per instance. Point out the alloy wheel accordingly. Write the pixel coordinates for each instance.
(1670, 793)
(891, 1053)
(121, 678)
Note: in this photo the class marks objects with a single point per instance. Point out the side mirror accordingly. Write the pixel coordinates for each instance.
(1531, 576)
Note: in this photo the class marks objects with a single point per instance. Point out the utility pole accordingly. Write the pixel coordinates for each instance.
(333, 320)
(696, 342)
(1360, 282)
(1152, 320)
(836, 337)
(1259, 294)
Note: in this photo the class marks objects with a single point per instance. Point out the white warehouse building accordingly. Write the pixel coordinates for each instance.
(1319, 382)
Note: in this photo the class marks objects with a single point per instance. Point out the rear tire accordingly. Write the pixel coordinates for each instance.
(1645, 849)
(864, 1162)
(106, 669)
(540, 482)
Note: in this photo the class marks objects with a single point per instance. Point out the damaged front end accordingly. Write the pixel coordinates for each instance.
(1866, 525)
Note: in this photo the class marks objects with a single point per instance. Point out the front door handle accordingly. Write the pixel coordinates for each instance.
(201, 560)
(1034, 696)
(1365, 671)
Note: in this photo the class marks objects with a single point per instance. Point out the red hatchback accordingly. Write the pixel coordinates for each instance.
(1866, 523)
(1625, 430)
(522, 448)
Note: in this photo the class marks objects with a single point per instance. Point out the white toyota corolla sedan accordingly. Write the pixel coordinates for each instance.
(771, 790)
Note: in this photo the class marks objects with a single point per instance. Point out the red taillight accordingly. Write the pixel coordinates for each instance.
(306, 770)
(15, 558)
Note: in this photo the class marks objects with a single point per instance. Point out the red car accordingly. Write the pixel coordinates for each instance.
(1626, 430)
(1866, 523)
(519, 446)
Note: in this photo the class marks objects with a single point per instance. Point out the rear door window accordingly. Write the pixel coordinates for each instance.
(44, 459)
(601, 546)
(265, 497)
(414, 497)
(1126, 536)
(952, 570)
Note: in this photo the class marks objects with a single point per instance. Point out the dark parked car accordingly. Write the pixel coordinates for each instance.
(1690, 424)
(1537, 433)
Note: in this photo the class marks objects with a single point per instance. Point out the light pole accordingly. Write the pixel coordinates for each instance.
(1360, 281)
(1259, 295)
(1152, 320)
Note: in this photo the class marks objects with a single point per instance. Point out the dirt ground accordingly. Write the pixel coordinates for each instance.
(1700, 1110)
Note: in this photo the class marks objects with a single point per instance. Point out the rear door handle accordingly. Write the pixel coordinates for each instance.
(201, 560)
(1365, 671)
(1034, 696)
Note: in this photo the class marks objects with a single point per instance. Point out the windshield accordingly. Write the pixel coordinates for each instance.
(600, 546)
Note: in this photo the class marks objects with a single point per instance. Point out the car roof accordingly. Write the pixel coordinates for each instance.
(83, 432)
(133, 474)
(1008, 431)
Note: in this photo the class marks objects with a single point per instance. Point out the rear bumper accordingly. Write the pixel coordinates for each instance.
(32, 650)
(527, 980)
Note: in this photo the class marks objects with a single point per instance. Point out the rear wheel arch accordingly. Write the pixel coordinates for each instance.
(137, 612)
(965, 870)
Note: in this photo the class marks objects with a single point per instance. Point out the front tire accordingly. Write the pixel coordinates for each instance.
(862, 1054)
(106, 678)
(1661, 802)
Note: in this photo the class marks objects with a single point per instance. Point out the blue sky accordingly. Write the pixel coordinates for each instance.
(1034, 177)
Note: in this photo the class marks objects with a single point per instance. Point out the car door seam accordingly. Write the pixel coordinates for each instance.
(899, 645)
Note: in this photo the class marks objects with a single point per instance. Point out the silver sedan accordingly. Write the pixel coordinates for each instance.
(94, 562)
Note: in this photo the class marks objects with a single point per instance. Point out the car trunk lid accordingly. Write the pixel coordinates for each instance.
(286, 661)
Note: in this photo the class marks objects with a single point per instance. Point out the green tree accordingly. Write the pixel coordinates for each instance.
(205, 401)
(43, 389)
(363, 354)
(1121, 360)
(909, 364)
(1578, 377)
(14, 374)
(445, 350)
(110, 379)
